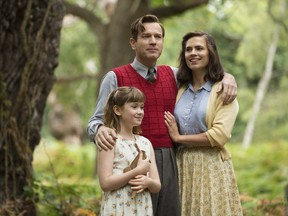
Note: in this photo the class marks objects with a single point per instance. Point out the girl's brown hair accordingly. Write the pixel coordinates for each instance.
(119, 97)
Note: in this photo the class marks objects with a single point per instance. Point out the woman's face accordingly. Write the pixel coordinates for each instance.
(197, 54)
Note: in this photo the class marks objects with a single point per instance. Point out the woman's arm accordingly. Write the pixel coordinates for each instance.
(195, 140)
(108, 181)
(221, 122)
(219, 126)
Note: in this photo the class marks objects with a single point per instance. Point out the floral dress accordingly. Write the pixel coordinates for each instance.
(120, 202)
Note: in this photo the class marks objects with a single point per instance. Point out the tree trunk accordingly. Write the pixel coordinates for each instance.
(262, 88)
(29, 43)
(116, 51)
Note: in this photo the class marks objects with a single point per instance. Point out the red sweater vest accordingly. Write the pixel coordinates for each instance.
(160, 97)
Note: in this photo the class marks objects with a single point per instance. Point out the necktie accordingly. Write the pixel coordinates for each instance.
(151, 75)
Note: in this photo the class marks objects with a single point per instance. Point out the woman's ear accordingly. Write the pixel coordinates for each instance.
(117, 110)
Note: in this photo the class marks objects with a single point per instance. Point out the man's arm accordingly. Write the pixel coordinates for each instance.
(95, 124)
(229, 88)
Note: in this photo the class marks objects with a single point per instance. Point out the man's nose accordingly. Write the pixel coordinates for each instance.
(153, 39)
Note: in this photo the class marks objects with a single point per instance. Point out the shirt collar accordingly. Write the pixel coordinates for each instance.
(207, 86)
(140, 68)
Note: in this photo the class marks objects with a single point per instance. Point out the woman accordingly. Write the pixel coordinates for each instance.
(207, 181)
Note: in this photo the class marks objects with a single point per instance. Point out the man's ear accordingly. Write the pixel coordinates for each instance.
(132, 43)
(117, 110)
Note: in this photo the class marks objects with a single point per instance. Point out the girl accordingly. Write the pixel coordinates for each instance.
(124, 112)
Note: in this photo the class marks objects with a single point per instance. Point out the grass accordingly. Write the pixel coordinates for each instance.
(66, 184)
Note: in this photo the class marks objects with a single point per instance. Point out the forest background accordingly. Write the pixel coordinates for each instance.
(252, 41)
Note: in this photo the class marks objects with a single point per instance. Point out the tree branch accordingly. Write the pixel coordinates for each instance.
(173, 10)
(65, 80)
(89, 17)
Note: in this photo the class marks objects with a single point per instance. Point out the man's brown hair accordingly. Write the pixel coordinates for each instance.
(137, 25)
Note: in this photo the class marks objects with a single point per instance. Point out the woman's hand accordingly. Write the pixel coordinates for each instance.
(171, 126)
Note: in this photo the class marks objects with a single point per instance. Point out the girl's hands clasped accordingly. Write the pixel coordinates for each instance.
(139, 183)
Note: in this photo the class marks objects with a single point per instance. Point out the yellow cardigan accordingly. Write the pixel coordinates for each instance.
(220, 120)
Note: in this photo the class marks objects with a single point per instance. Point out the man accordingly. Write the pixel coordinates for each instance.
(147, 35)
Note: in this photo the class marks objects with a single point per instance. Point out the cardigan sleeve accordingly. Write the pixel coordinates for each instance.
(220, 119)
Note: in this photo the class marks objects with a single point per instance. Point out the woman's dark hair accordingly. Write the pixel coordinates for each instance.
(137, 26)
(215, 70)
(119, 97)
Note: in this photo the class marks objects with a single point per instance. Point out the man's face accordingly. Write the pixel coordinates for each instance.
(149, 44)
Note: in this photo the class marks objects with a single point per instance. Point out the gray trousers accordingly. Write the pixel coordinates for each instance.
(166, 202)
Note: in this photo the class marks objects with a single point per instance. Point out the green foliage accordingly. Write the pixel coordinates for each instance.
(261, 173)
(79, 55)
(78, 47)
(65, 182)
(64, 179)
(261, 170)
(80, 163)
(274, 115)
(55, 198)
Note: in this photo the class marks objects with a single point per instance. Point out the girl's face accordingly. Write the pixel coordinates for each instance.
(197, 54)
(131, 114)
